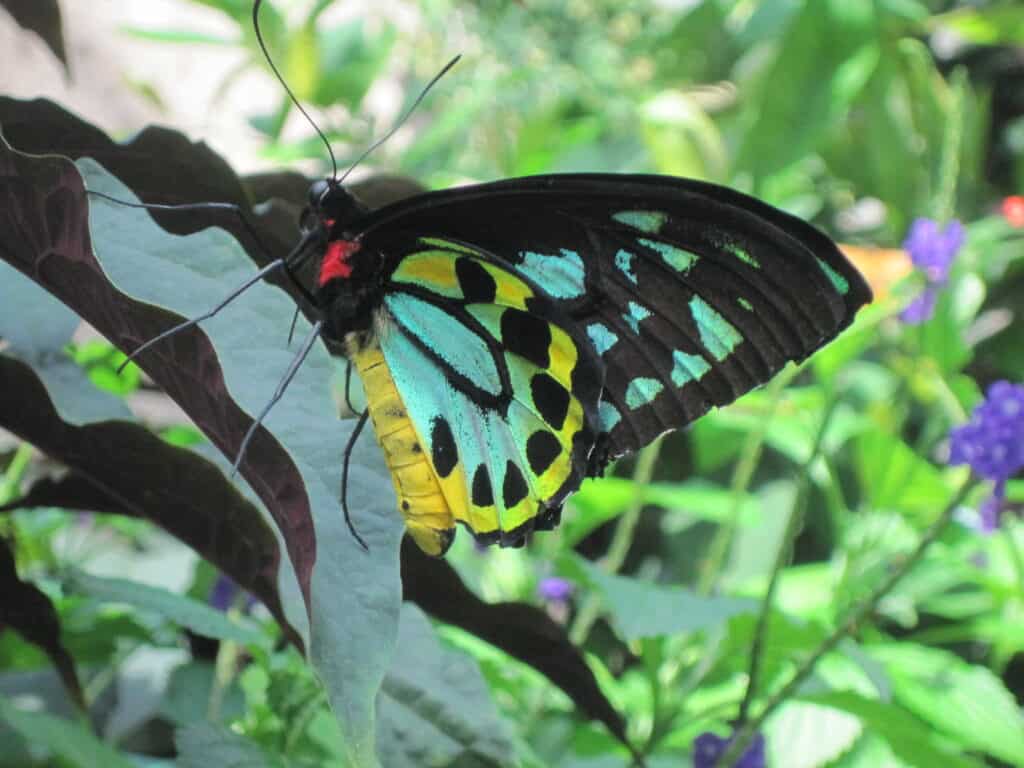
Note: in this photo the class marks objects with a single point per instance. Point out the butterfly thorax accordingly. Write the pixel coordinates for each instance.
(348, 278)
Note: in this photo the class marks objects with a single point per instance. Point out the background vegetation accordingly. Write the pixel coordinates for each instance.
(819, 489)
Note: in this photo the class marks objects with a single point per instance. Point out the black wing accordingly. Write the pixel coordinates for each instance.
(691, 293)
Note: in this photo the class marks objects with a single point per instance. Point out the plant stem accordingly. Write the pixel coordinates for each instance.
(10, 485)
(622, 540)
(793, 525)
(746, 732)
(750, 456)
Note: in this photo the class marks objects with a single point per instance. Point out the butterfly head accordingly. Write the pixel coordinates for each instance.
(346, 282)
(330, 207)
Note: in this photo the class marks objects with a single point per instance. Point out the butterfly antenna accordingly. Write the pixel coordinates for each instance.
(293, 368)
(403, 118)
(346, 460)
(266, 54)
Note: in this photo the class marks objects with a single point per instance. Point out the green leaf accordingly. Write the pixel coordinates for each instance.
(870, 751)
(180, 609)
(202, 745)
(642, 609)
(998, 23)
(895, 477)
(350, 60)
(801, 735)
(178, 36)
(908, 737)
(824, 59)
(187, 697)
(682, 139)
(68, 740)
(966, 702)
(602, 499)
(101, 360)
(435, 708)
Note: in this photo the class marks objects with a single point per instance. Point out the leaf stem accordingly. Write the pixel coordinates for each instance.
(746, 732)
(793, 525)
(11, 482)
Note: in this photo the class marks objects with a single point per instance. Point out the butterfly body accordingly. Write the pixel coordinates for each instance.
(520, 334)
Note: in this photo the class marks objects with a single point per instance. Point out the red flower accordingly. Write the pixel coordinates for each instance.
(1012, 209)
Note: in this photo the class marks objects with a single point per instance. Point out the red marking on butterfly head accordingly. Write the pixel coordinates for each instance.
(336, 260)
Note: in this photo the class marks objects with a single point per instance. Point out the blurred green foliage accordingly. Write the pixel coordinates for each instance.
(858, 115)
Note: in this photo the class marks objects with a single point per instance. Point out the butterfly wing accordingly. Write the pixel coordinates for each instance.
(501, 389)
(690, 294)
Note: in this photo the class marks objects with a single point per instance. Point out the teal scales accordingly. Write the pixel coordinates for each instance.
(717, 335)
(650, 222)
(560, 275)
(601, 337)
(677, 258)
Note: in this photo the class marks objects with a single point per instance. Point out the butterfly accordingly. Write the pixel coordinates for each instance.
(514, 337)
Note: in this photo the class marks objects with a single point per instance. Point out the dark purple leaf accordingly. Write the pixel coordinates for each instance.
(29, 612)
(175, 488)
(43, 18)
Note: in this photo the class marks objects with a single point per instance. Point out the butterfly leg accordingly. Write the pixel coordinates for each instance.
(206, 315)
(348, 386)
(346, 458)
(289, 263)
(293, 368)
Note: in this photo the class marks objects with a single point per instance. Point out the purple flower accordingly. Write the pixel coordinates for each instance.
(555, 590)
(992, 443)
(921, 308)
(932, 251)
(223, 594)
(708, 749)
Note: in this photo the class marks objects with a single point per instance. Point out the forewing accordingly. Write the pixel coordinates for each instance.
(690, 294)
(500, 386)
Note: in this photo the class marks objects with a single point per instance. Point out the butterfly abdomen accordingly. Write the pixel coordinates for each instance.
(420, 500)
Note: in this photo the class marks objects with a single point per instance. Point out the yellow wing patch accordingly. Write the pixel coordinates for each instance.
(495, 460)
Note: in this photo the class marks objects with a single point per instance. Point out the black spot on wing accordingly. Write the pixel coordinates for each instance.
(482, 492)
(514, 489)
(478, 287)
(551, 399)
(442, 446)
(542, 448)
(548, 519)
(527, 336)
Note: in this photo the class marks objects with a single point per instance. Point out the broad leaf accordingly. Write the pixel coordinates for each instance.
(435, 708)
(966, 702)
(642, 609)
(43, 18)
(201, 745)
(911, 742)
(29, 612)
(523, 631)
(69, 741)
(179, 609)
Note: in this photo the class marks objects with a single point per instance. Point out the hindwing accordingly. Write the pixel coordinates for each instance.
(499, 384)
